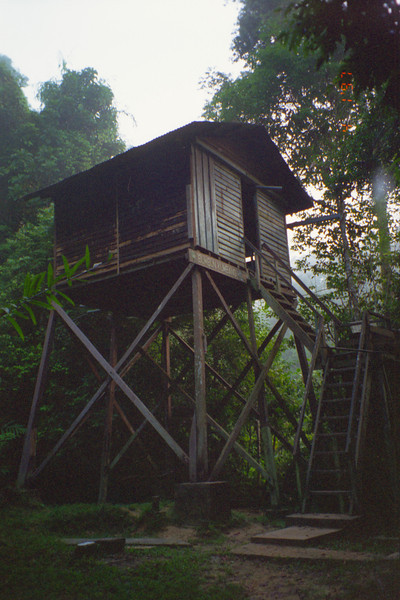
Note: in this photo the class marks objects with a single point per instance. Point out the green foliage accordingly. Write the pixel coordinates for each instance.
(75, 129)
(87, 519)
(369, 32)
(339, 148)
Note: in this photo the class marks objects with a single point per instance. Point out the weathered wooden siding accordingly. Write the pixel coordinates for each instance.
(86, 220)
(205, 217)
(272, 229)
(133, 223)
(228, 199)
(151, 225)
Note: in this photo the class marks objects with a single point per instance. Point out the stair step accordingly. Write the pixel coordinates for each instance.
(323, 519)
(295, 535)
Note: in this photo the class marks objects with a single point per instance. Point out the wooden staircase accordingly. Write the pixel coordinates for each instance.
(333, 467)
(283, 306)
(333, 480)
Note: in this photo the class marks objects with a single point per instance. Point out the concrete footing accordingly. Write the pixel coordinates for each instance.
(203, 501)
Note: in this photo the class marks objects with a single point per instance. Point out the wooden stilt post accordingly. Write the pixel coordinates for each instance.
(105, 459)
(37, 396)
(265, 431)
(166, 363)
(201, 451)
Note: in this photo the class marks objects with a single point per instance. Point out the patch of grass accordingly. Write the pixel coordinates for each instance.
(87, 519)
(151, 520)
(34, 564)
(179, 574)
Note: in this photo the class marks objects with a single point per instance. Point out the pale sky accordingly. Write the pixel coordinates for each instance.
(152, 53)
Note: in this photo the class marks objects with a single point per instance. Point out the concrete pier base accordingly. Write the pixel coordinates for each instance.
(203, 501)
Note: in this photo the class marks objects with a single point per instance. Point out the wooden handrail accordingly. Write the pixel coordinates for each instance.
(278, 260)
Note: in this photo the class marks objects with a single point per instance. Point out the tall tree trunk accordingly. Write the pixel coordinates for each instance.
(348, 265)
(380, 190)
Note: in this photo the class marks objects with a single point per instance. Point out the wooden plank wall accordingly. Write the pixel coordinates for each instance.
(272, 228)
(228, 195)
(152, 224)
(151, 215)
(81, 221)
(204, 201)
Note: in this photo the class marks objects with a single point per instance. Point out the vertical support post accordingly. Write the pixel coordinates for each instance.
(201, 450)
(266, 438)
(166, 364)
(305, 372)
(37, 396)
(105, 458)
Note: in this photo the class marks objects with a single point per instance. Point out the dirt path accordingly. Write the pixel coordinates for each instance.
(289, 580)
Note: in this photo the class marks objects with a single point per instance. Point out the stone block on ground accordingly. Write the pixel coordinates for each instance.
(203, 501)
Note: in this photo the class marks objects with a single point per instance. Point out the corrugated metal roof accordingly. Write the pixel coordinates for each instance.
(249, 146)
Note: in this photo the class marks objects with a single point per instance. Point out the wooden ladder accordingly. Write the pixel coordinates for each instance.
(332, 476)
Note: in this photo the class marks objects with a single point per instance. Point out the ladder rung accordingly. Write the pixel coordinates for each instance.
(330, 492)
(331, 452)
(339, 370)
(328, 471)
(332, 400)
(339, 384)
(333, 434)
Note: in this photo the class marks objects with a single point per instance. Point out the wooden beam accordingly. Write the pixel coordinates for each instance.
(220, 430)
(105, 458)
(166, 358)
(154, 317)
(301, 353)
(251, 362)
(284, 315)
(309, 383)
(269, 458)
(231, 316)
(248, 406)
(199, 377)
(220, 325)
(83, 415)
(121, 384)
(209, 368)
(283, 406)
(312, 220)
(37, 396)
(135, 435)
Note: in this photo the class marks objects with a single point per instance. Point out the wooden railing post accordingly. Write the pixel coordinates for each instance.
(309, 385)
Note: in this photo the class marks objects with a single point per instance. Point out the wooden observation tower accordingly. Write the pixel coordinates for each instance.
(192, 221)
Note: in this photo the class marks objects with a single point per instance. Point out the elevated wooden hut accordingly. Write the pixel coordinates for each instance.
(190, 221)
(193, 193)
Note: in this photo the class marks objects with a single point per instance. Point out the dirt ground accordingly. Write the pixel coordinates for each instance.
(286, 580)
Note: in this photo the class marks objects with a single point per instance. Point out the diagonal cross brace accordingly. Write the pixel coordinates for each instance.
(124, 387)
(248, 406)
(83, 414)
